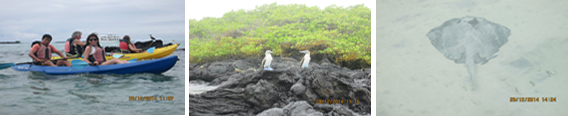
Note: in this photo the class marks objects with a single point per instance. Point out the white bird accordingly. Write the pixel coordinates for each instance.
(306, 59)
(267, 60)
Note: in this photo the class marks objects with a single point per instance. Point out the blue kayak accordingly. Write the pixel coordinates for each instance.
(149, 66)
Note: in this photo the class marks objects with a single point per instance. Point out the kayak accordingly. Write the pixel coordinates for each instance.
(157, 53)
(149, 66)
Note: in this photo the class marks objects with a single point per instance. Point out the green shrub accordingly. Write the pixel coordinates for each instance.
(342, 34)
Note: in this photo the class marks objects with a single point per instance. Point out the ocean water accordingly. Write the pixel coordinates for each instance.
(38, 93)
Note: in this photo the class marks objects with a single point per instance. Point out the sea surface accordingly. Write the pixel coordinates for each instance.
(38, 93)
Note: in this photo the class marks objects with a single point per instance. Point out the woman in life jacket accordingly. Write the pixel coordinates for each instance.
(126, 45)
(74, 46)
(41, 53)
(95, 54)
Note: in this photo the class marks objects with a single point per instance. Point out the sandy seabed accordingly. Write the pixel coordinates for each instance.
(413, 78)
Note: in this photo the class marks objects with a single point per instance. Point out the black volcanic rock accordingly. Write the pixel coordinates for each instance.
(244, 89)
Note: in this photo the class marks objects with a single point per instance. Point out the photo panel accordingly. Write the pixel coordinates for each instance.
(279, 57)
(102, 57)
(463, 57)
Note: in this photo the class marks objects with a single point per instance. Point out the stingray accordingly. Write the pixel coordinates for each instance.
(469, 41)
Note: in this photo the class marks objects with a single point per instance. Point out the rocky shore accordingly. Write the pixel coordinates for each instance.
(245, 89)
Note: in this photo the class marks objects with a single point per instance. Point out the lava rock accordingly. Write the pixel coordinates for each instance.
(272, 112)
(301, 108)
(292, 89)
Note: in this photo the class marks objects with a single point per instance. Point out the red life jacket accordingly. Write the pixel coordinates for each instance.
(99, 55)
(44, 52)
(124, 45)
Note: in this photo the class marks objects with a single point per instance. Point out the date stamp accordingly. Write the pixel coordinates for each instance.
(532, 99)
(337, 101)
(150, 98)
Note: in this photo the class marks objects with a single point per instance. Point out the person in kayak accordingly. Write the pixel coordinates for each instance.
(127, 46)
(41, 53)
(74, 46)
(95, 54)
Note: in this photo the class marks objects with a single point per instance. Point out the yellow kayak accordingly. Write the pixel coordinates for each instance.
(158, 53)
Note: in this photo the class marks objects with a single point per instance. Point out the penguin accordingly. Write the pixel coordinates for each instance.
(305, 60)
(267, 60)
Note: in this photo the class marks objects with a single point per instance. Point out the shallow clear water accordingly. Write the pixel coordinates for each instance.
(38, 93)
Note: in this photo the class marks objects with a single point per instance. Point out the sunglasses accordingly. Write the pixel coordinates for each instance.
(92, 39)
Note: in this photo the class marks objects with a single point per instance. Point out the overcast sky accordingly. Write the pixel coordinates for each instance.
(197, 9)
(27, 20)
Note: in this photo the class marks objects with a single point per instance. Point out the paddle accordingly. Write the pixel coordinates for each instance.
(80, 64)
(133, 60)
(8, 65)
(150, 50)
(117, 56)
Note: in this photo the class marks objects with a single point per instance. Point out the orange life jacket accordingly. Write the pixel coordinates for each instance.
(44, 52)
(73, 49)
(67, 45)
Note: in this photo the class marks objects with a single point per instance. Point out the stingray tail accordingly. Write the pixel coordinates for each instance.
(470, 64)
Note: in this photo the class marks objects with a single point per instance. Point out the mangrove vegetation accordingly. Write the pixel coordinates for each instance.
(340, 34)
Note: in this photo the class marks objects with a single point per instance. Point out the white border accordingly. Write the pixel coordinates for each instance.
(186, 59)
(373, 59)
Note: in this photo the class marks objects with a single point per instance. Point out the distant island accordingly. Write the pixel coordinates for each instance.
(60, 41)
(10, 42)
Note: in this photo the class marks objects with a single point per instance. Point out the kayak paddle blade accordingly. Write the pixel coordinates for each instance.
(150, 50)
(79, 64)
(6, 65)
(117, 56)
(133, 60)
